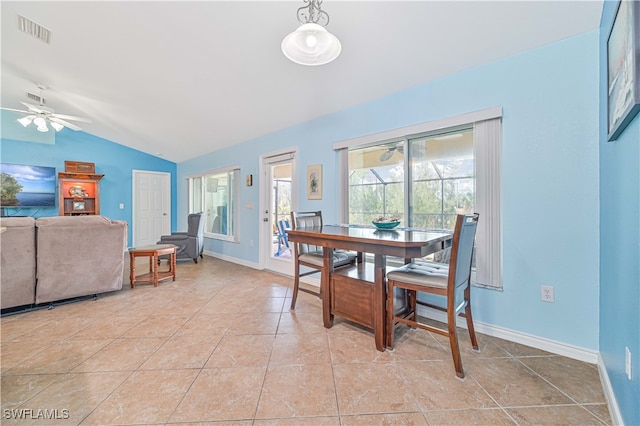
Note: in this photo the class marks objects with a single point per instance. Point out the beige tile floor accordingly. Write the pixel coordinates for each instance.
(220, 346)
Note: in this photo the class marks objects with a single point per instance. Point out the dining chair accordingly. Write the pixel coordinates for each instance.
(310, 255)
(453, 281)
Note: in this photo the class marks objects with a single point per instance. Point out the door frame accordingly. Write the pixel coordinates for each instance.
(166, 223)
(265, 233)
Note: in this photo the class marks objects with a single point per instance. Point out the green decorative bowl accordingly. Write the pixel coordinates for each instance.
(386, 225)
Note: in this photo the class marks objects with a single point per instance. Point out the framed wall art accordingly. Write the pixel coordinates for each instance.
(314, 182)
(623, 68)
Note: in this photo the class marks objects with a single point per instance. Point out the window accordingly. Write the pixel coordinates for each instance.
(214, 194)
(442, 179)
(427, 174)
(439, 184)
(376, 182)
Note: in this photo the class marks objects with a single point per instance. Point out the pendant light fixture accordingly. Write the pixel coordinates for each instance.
(311, 44)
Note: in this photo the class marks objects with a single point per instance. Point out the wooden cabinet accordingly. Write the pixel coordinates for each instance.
(78, 193)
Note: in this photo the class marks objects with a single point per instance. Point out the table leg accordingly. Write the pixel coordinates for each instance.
(325, 286)
(379, 301)
(172, 259)
(153, 262)
(132, 270)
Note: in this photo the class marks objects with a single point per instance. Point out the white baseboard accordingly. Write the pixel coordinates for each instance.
(537, 342)
(308, 280)
(232, 259)
(614, 410)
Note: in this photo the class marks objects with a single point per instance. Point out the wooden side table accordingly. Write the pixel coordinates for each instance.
(153, 252)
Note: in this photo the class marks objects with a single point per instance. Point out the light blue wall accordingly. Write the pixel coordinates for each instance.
(550, 178)
(115, 161)
(12, 130)
(619, 247)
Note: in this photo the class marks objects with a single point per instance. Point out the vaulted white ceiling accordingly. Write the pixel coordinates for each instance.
(187, 78)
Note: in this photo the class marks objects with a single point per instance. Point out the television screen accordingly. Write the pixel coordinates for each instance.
(27, 186)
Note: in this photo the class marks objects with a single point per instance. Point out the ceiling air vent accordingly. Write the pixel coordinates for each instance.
(39, 99)
(36, 30)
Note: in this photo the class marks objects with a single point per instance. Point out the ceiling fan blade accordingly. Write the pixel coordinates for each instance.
(71, 117)
(64, 123)
(16, 110)
(36, 108)
(387, 155)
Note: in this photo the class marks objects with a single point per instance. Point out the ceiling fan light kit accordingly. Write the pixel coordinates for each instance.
(43, 117)
(311, 44)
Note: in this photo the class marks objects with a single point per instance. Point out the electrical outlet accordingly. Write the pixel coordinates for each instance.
(627, 362)
(250, 243)
(546, 294)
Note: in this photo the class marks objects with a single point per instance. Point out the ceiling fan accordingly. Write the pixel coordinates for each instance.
(40, 116)
(386, 155)
(418, 151)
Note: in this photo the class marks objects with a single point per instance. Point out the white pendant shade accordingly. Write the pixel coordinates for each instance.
(40, 122)
(25, 121)
(311, 44)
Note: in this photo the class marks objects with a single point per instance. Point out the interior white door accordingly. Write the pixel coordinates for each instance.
(279, 185)
(151, 206)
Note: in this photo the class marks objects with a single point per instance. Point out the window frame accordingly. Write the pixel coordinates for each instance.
(232, 197)
(487, 128)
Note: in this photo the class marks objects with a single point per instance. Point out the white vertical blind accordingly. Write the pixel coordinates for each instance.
(343, 189)
(488, 153)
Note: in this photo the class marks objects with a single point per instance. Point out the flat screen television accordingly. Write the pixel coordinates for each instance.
(25, 186)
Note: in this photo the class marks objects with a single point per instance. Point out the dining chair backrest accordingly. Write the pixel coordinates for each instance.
(306, 220)
(462, 255)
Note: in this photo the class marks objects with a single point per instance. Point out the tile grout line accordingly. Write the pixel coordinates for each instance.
(266, 370)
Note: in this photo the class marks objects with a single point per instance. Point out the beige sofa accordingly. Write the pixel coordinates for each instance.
(76, 256)
(17, 261)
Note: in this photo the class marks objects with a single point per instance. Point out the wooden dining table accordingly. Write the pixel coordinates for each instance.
(358, 293)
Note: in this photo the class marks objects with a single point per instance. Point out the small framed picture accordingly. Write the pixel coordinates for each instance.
(78, 205)
(314, 182)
